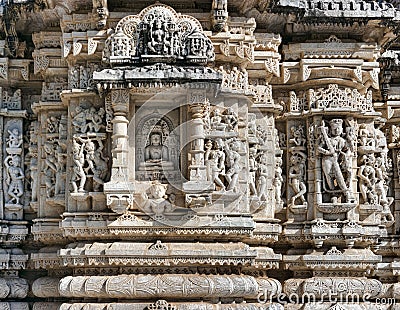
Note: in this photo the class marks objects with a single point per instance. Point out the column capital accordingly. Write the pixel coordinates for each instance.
(120, 100)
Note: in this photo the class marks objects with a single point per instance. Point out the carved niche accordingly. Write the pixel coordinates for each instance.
(158, 34)
(157, 149)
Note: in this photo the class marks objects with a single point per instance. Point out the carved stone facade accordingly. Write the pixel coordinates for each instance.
(199, 155)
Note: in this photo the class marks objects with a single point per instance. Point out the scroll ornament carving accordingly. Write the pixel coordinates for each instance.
(33, 154)
(81, 76)
(4, 70)
(51, 90)
(46, 287)
(158, 34)
(41, 63)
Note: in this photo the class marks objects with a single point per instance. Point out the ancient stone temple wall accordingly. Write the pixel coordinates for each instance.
(206, 155)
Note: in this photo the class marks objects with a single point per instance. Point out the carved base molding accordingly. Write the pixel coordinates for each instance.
(14, 305)
(175, 286)
(13, 288)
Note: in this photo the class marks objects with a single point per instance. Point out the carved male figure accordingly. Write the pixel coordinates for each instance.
(278, 180)
(333, 149)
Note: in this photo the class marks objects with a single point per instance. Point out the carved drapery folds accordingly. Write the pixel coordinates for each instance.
(158, 34)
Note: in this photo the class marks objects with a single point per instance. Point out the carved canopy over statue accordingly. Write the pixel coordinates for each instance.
(158, 34)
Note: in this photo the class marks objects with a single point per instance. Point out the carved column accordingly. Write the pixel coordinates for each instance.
(120, 105)
(198, 107)
(119, 196)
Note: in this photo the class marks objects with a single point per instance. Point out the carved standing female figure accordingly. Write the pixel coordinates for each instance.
(296, 177)
(79, 173)
(15, 177)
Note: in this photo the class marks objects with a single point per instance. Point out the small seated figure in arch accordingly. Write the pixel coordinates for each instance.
(156, 153)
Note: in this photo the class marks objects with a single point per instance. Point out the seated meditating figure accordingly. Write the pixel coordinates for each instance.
(156, 154)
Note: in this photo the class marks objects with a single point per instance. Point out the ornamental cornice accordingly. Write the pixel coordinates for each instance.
(321, 232)
(47, 39)
(333, 259)
(159, 253)
(331, 48)
(13, 259)
(340, 9)
(82, 43)
(83, 226)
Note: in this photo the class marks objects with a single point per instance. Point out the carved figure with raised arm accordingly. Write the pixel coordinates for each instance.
(333, 149)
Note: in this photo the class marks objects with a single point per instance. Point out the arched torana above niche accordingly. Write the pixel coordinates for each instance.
(158, 34)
